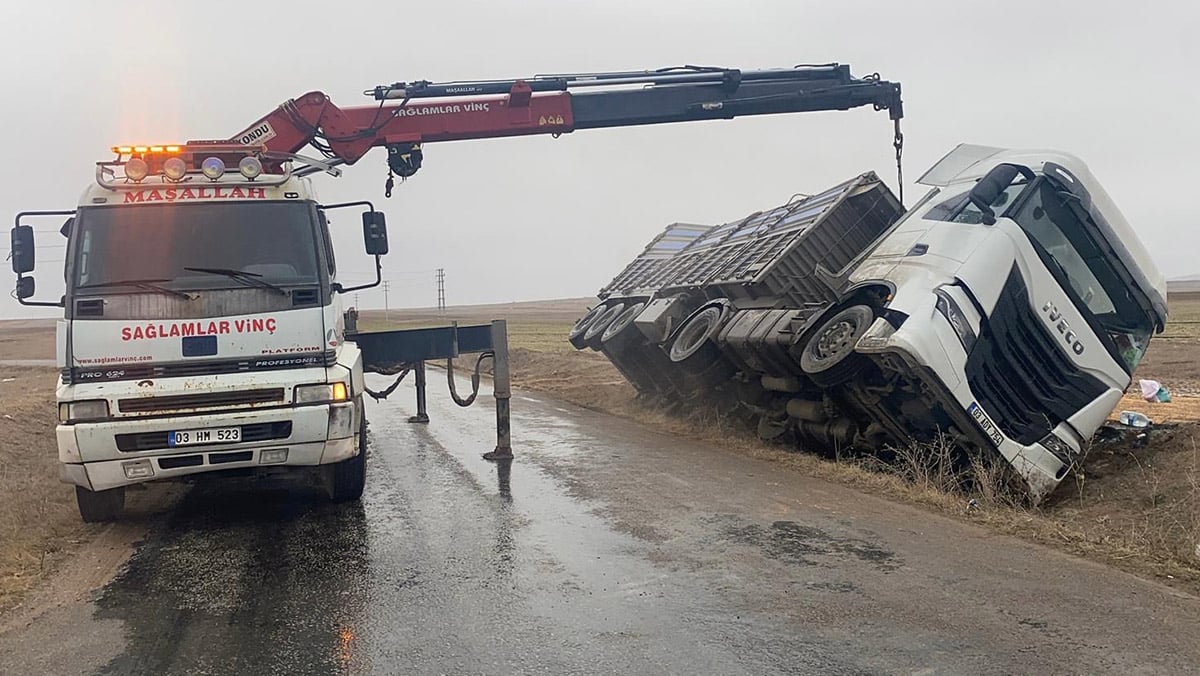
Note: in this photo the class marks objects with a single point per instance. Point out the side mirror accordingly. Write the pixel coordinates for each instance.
(25, 288)
(990, 187)
(375, 233)
(22, 249)
(67, 225)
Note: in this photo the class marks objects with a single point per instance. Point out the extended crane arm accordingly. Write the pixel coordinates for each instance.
(411, 114)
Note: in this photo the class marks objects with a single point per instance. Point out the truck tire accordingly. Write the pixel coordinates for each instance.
(576, 335)
(100, 506)
(591, 337)
(622, 322)
(350, 476)
(828, 358)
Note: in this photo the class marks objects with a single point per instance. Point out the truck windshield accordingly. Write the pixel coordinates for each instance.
(1058, 228)
(271, 241)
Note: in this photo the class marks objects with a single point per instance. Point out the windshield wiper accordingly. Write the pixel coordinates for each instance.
(246, 278)
(145, 284)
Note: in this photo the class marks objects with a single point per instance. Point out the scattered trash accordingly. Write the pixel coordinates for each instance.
(1152, 390)
(8, 417)
(7, 380)
(1134, 419)
(973, 504)
(1198, 551)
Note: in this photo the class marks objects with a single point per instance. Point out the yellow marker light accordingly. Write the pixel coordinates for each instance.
(172, 149)
(156, 149)
(122, 150)
(338, 392)
(141, 149)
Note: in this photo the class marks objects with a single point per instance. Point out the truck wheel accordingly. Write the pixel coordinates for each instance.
(100, 506)
(591, 337)
(828, 359)
(349, 476)
(576, 336)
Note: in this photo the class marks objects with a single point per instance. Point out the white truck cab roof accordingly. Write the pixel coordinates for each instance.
(967, 163)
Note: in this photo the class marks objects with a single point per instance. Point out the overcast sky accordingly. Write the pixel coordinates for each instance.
(531, 218)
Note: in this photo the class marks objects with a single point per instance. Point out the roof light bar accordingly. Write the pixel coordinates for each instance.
(143, 149)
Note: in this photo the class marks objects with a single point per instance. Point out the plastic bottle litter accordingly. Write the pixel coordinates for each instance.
(1134, 419)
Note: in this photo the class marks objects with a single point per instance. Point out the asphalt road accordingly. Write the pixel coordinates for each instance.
(604, 548)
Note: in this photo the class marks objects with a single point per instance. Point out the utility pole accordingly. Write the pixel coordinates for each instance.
(386, 308)
(356, 306)
(441, 290)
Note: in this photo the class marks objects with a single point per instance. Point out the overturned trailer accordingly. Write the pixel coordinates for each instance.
(1006, 312)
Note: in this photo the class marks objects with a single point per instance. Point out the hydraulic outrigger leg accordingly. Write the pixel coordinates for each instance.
(402, 351)
(502, 391)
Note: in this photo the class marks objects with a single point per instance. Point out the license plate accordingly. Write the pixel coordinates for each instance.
(216, 435)
(986, 423)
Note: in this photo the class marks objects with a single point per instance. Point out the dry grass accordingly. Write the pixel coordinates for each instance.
(27, 339)
(38, 518)
(1184, 319)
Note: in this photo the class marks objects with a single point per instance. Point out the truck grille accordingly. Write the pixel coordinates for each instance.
(1020, 374)
(204, 400)
(186, 369)
(152, 441)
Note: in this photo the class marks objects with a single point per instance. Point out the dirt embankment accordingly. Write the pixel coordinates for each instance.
(38, 518)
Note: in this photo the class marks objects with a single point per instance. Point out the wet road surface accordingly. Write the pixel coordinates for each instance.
(604, 548)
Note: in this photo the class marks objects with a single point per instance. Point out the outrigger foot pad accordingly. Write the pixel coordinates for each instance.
(499, 454)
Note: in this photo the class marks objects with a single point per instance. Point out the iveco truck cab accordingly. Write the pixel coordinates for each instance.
(203, 327)
(1021, 299)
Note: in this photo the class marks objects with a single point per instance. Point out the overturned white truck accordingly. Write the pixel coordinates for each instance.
(1006, 311)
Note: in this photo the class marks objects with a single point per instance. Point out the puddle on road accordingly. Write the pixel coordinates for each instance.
(801, 544)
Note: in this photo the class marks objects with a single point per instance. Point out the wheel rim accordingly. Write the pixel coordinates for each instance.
(835, 340)
(694, 333)
(603, 321)
(620, 323)
(581, 326)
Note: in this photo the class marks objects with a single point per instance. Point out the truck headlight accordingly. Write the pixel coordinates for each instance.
(958, 321)
(82, 411)
(1059, 448)
(321, 394)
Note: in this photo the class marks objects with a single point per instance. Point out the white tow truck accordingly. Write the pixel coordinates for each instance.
(203, 326)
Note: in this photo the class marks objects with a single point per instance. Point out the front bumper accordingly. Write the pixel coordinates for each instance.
(319, 435)
(933, 353)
